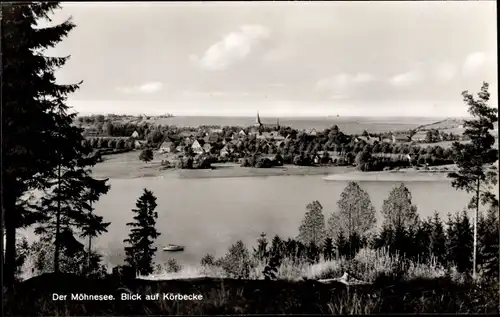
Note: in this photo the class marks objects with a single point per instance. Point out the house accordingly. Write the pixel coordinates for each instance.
(420, 136)
(139, 144)
(135, 135)
(167, 146)
(197, 146)
(225, 151)
(311, 132)
(213, 138)
(242, 133)
(280, 144)
(207, 147)
(179, 148)
(218, 130)
(400, 138)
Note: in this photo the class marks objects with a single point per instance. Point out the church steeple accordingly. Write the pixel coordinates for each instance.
(257, 121)
(278, 123)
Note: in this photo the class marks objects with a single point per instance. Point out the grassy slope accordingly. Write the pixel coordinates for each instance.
(228, 296)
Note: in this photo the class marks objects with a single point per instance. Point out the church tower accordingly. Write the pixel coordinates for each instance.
(257, 121)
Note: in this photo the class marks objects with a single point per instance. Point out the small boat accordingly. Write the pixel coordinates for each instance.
(173, 247)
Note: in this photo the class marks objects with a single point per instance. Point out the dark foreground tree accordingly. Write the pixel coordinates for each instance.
(140, 253)
(473, 175)
(37, 133)
(67, 209)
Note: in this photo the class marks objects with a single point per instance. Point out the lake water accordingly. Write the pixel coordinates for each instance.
(208, 215)
(350, 125)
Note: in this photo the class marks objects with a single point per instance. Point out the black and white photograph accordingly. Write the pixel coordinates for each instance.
(253, 157)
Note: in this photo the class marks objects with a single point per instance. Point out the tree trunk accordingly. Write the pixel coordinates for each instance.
(90, 244)
(476, 212)
(58, 222)
(10, 243)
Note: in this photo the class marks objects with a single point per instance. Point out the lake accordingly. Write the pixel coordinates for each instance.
(349, 125)
(208, 215)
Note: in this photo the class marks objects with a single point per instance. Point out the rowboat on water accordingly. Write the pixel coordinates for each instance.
(173, 247)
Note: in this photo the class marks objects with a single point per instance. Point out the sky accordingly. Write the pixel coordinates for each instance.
(281, 59)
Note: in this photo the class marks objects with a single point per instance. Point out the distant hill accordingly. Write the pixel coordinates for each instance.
(448, 123)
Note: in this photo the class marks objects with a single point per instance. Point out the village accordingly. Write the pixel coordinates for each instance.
(271, 144)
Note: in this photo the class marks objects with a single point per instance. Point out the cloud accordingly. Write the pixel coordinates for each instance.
(146, 88)
(473, 62)
(406, 79)
(445, 72)
(233, 48)
(342, 82)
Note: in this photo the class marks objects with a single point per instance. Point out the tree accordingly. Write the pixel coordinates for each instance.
(472, 158)
(488, 237)
(261, 252)
(355, 212)
(398, 209)
(328, 251)
(312, 229)
(67, 209)
(362, 159)
(236, 262)
(460, 241)
(146, 155)
(139, 255)
(38, 131)
(438, 239)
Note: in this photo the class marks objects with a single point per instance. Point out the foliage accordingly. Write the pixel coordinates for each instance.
(472, 158)
(146, 155)
(459, 242)
(262, 252)
(398, 210)
(355, 213)
(236, 262)
(140, 252)
(312, 228)
(39, 134)
(173, 266)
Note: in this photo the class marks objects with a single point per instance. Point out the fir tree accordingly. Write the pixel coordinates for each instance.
(38, 133)
(472, 158)
(140, 253)
(277, 248)
(437, 244)
(67, 209)
(261, 253)
(328, 251)
(460, 242)
(488, 228)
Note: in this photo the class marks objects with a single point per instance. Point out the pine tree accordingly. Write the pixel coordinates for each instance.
(261, 253)
(38, 133)
(472, 158)
(312, 228)
(277, 248)
(328, 251)
(140, 253)
(460, 242)
(67, 209)
(437, 244)
(488, 228)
